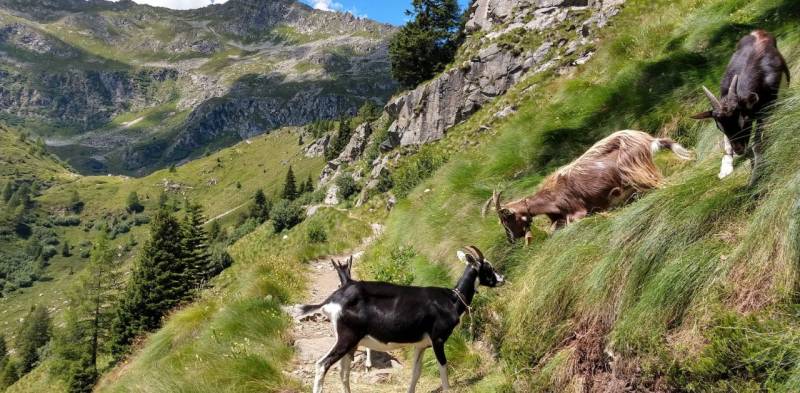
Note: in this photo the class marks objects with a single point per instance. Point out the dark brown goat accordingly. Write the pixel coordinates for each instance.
(605, 176)
(750, 85)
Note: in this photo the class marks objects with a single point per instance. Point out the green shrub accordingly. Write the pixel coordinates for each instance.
(398, 268)
(286, 215)
(315, 232)
(347, 186)
(415, 170)
(67, 221)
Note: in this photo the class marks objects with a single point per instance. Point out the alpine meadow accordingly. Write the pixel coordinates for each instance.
(496, 196)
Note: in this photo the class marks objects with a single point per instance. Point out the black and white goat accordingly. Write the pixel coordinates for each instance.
(383, 317)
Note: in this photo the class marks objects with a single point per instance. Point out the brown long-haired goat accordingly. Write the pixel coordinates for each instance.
(608, 174)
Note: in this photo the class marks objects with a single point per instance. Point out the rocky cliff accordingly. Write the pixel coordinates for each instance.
(492, 60)
(122, 87)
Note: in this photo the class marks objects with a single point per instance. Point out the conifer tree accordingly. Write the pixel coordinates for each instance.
(427, 43)
(9, 374)
(289, 186)
(215, 231)
(75, 202)
(261, 207)
(195, 248)
(8, 191)
(35, 333)
(65, 249)
(73, 355)
(340, 140)
(157, 283)
(3, 352)
(309, 186)
(133, 205)
(95, 295)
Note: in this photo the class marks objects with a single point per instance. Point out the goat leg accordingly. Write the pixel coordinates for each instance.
(344, 371)
(417, 369)
(727, 160)
(758, 150)
(438, 350)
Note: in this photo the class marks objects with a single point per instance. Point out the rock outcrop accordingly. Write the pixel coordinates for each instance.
(351, 152)
(425, 113)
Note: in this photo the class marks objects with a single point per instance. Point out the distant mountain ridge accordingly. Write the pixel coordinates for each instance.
(128, 88)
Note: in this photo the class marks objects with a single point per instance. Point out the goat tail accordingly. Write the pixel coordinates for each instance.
(300, 311)
(666, 143)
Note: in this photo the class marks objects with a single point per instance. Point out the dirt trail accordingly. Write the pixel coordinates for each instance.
(313, 337)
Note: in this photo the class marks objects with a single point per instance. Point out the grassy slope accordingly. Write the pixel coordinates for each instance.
(19, 160)
(260, 164)
(669, 284)
(231, 340)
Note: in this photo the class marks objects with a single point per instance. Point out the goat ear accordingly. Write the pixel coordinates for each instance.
(462, 256)
(703, 115)
(751, 100)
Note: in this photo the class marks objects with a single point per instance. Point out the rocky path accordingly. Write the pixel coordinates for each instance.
(313, 337)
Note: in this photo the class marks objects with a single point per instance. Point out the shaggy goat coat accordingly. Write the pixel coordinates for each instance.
(606, 175)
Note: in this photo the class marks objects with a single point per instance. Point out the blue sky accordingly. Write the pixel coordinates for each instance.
(388, 11)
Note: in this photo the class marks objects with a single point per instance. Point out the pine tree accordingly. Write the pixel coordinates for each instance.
(368, 112)
(3, 352)
(215, 231)
(75, 202)
(9, 374)
(196, 254)
(309, 186)
(163, 198)
(261, 207)
(8, 191)
(65, 249)
(427, 43)
(133, 205)
(340, 140)
(289, 186)
(35, 333)
(157, 283)
(73, 355)
(95, 295)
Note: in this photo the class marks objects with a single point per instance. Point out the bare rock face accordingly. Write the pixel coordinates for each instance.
(317, 148)
(357, 144)
(424, 114)
(351, 152)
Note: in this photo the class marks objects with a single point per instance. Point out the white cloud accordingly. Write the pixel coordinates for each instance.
(180, 4)
(335, 6)
(328, 5)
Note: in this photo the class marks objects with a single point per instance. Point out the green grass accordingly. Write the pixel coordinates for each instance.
(22, 159)
(231, 339)
(650, 283)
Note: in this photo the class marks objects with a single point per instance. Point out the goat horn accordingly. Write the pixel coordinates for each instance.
(472, 250)
(733, 87)
(711, 97)
(496, 200)
(489, 202)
